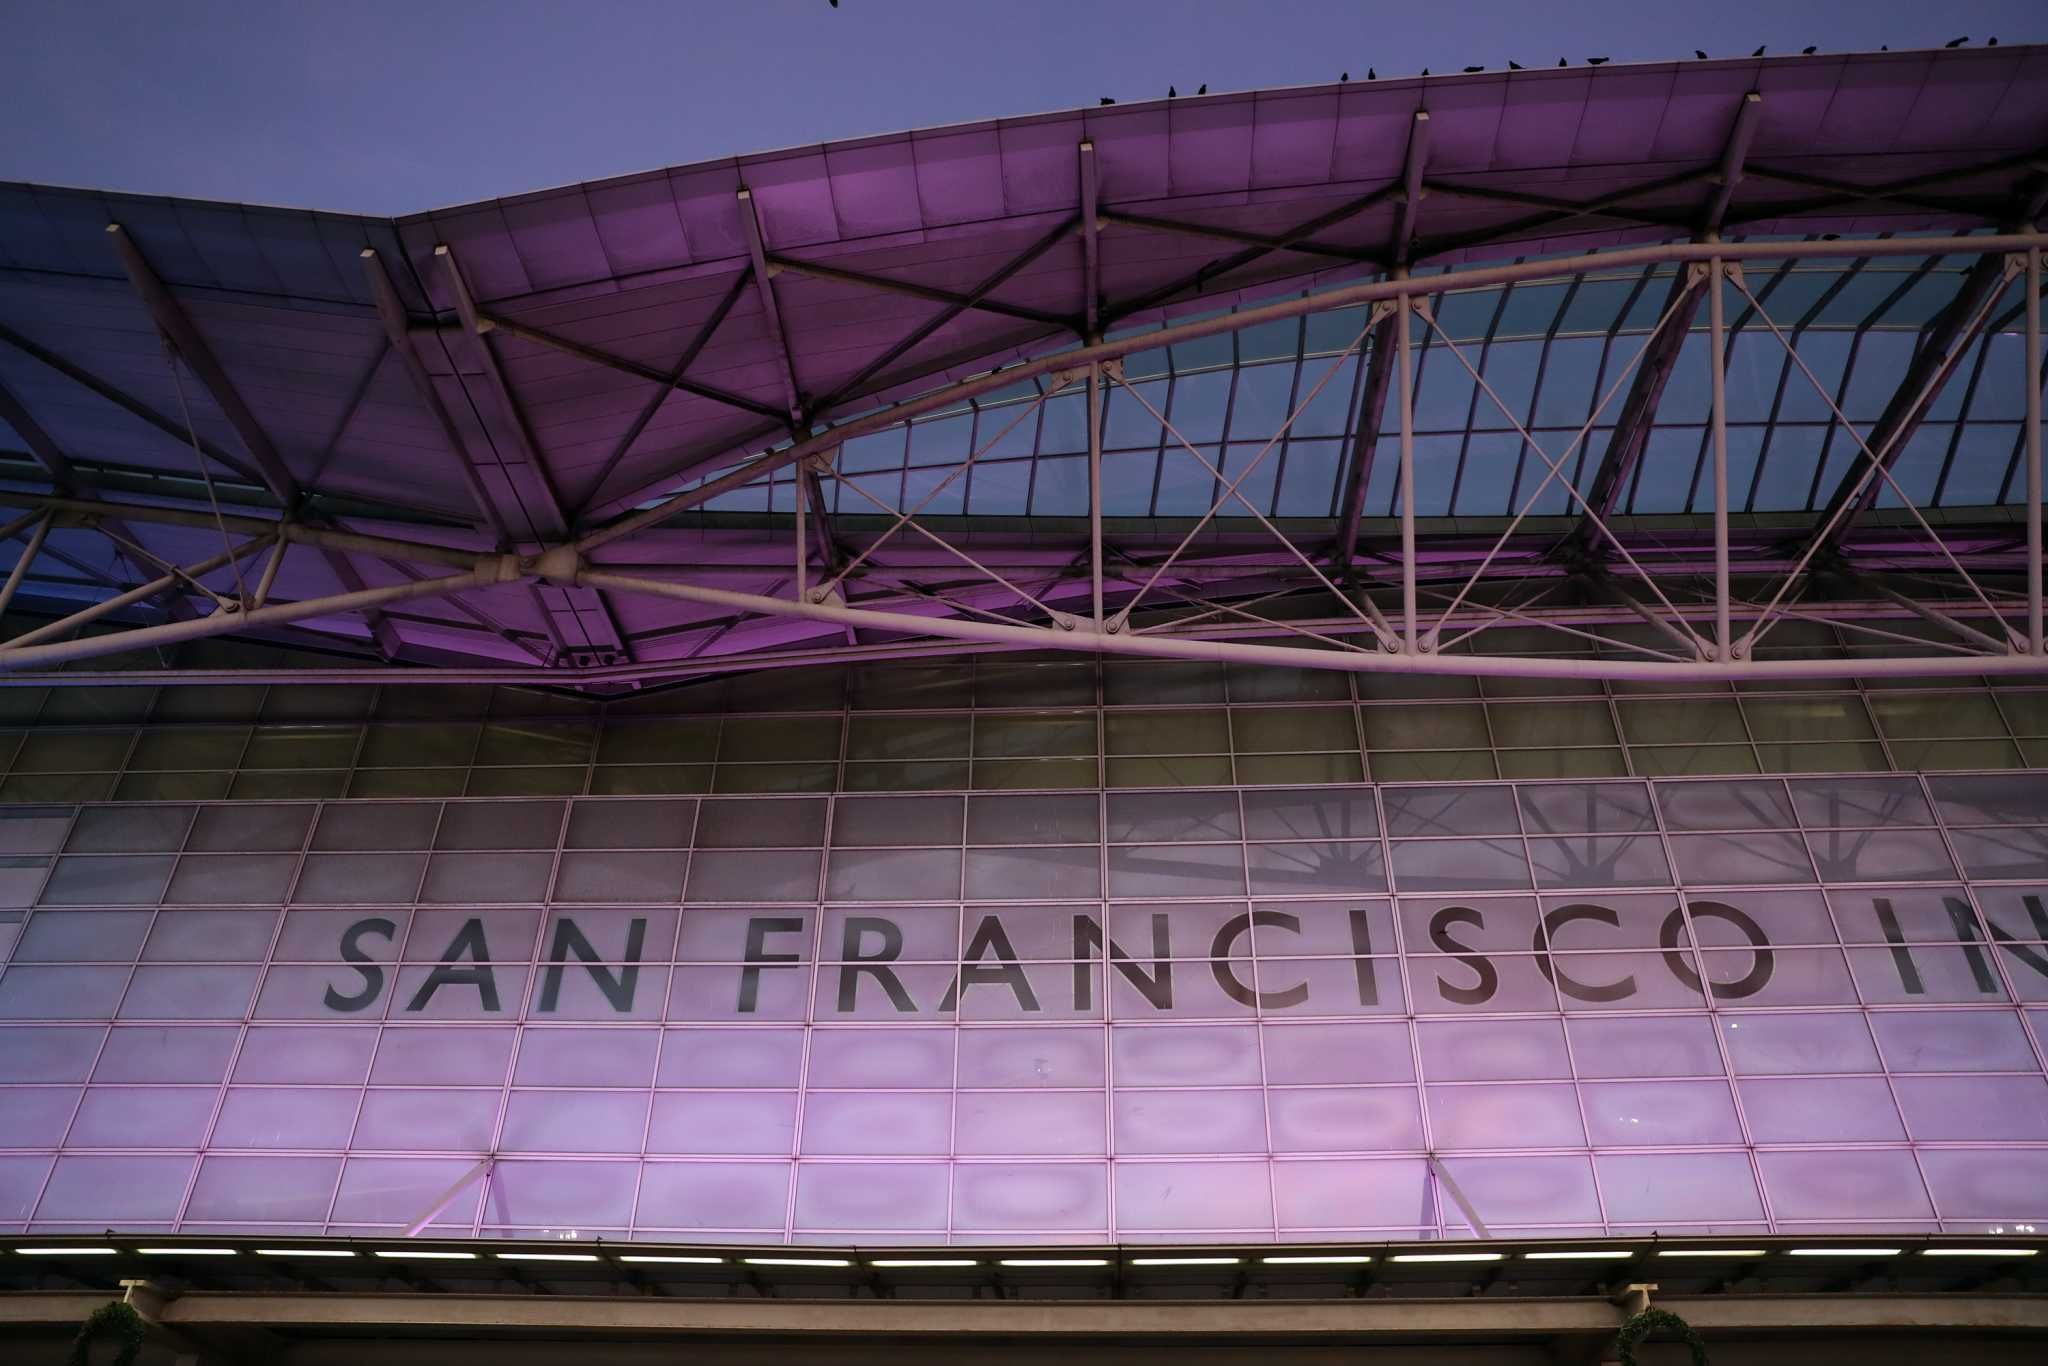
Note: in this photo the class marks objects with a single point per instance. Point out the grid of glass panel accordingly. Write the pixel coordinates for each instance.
(1207, 1012)
(1550, 350)
(999, 722)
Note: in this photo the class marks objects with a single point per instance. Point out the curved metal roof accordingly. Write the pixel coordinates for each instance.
(545, 363)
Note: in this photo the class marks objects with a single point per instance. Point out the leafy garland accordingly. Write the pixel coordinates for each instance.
(114, 1317)
(1640, 1326)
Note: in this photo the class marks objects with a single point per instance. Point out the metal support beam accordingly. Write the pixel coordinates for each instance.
(1091, 244)
(177, 328)
(1933, 363)
(555, 521)
(1717, 361)
(818, 270)
(512, 327)
(382, 632)
(1372, 410)
(1411, 189)
(40, 445)
(480, 1172)
(1639, 410)
(764, 285)
(668, 385)
(19, 572)
(391, 312)
(2034, 473)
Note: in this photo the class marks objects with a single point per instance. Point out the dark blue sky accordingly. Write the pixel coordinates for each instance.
(386, 107)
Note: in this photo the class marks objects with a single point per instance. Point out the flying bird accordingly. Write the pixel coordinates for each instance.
(1957, 42)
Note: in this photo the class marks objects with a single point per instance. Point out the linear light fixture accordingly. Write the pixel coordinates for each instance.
(905, 1263)
(1330, 1259)
(304, 1252)
(1584, 1254)
(425, 1255)
(1841, 1252)
(1185, 1261)
(68, 1251)
(1710, 1252)
(1054, 1261)
(1447, 1257)
(186, 1251)
(1978, 1251)
(675, 1261)
(545, 1256)
(796, 1261)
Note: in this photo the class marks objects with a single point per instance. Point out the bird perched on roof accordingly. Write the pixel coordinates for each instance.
(1171, 92)
(1700, 53)
(1425, 71)
(1470, 69)
(1560, 61)
(1345, 76)
(1809, 49)
(1595, 61)
(1514, 65)
(1957, 42)
(1371, 75)
(1204, 89)
(1759, 50)
(1991, 42)
(1106, 100)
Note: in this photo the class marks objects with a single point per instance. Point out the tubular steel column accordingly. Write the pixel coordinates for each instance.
(1095, 490)
(1716, 324)
(1402, 304)
(2034, 639)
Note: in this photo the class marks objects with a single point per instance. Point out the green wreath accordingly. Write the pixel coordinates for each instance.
(1640, 1326)
(120, 1320)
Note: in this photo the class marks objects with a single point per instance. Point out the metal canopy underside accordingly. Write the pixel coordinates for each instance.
(1612, 370)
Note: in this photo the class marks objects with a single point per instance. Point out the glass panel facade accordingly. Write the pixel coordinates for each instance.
(1158, 987)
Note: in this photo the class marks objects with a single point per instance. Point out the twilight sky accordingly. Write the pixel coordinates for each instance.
(390, 106)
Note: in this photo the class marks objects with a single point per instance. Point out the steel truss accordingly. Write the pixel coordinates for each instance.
(1919, 595)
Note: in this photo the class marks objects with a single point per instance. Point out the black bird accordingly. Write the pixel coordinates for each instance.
(835, 4)
(1425, 71)
(1106, 100)
(1595, 61)
(1809, 49)
(1470, 69)
(1204, 90)
(1957, 42)
(1371, 75)
(1700, 53)
(1991, 43)
(1560, 61)
(1345, 77)
(1514, 66)
(1759, 51)
(1171, 93)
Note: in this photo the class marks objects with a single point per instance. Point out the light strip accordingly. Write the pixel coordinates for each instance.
(1842, 1252)
(1448, 1257)
(907, 1262)
(1591, 1254)
(678, 1261)
(1185, 1261)
(1978, 1251)
(545, 1256)
(796, 1261)
(425, 1256)
(303, 1252)
(1333, 1260)
(1710, 1252)
(186, 1251)
(1054, 1261)
(68, 1251)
